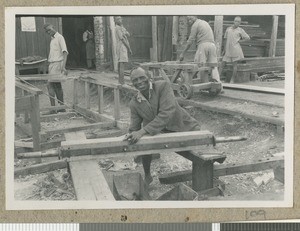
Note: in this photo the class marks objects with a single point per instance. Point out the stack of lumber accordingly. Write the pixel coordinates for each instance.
(253, 30)
(254, 48)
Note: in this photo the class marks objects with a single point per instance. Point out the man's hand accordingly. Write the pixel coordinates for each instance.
(130, 52)
(181, 57)
(134, 137)
(64, 71)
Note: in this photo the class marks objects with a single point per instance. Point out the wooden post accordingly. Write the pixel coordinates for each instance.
(99, 41)
(34, 112)
(75, 95)
(113, 42)
(60, 30)
(175, 30)
(87, 94)
(117, 104)
(100, 99)
(202, 175)
(272, 49)
(38, 115)
(26, 118)
(154, 39)
(218, 31)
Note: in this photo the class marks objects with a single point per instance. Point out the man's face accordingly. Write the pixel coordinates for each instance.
(50, 31)
(237, 22)
(118, 20)
(191, 19)
(141, 83)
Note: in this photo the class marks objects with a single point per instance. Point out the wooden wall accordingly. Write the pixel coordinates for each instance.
(34, 43)
(140, 40)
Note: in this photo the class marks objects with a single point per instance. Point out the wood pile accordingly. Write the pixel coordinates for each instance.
(253, 30)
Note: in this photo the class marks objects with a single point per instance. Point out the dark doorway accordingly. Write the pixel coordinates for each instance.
(73, 28)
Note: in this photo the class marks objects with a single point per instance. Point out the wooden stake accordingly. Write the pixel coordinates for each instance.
(100, 99)
(113, 42)
(218, 31)
(35, 123)
(154, 39)
(117, 104)
(75, 95)
(87, 95)
(272, 50)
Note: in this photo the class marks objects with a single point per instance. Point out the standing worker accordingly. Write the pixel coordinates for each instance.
(57, 63)
(88, 38)
(202, 34)
(154, 109)
(122, 47)
(234, 35)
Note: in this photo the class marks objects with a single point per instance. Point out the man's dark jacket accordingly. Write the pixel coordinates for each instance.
(161, 112)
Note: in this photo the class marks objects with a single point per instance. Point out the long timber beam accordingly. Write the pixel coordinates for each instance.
(179, 141)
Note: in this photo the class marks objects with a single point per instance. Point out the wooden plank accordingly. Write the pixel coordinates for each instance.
(78, 135)
(117, 112)
(23, 144)
(92, 114)
(59, 116)
(53, 108)
(113, 42)
(32, 90)
(179, 141)
(226, 169)
(100, 99)
(40, 168)
(254, 88)
(273, 40)
(204, 106)
(89, 182)
(154, 39)
(80, 128)
(87, 95)
(100, 81)
(41, 77)
(218, 32)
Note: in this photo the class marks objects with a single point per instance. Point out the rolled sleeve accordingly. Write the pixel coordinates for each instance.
(166, 111)
(244, 35)
(62, 44)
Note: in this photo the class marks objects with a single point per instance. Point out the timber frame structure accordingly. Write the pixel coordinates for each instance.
(78, 154)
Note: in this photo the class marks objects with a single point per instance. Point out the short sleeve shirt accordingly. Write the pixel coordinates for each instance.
(57, 47)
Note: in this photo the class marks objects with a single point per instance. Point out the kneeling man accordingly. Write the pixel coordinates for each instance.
(154, 109)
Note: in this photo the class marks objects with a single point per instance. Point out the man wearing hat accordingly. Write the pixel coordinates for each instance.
(154, 109)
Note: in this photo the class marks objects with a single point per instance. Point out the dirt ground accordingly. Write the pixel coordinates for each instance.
(262, 141)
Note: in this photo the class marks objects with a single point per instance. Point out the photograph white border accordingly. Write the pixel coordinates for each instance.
(243, 9)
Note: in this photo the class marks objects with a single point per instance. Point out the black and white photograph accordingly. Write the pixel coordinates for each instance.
(149, 106)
